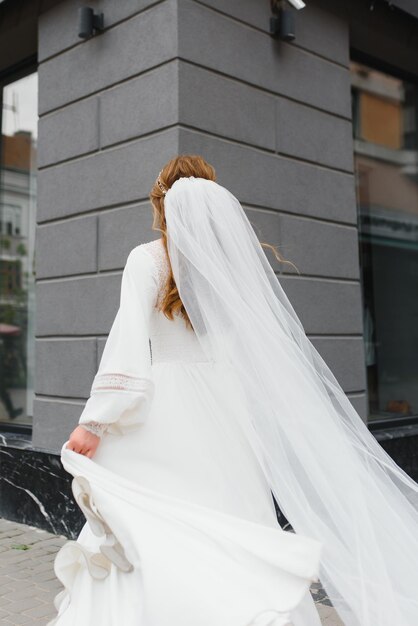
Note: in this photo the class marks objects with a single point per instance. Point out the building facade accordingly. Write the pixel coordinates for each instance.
(317, 136)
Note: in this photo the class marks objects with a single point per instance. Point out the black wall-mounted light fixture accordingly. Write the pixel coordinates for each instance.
(282, 22)
(89, 22)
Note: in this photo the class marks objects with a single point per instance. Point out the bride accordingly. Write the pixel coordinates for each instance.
(208, 401)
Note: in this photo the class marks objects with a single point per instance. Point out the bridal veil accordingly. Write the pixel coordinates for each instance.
(327, 472)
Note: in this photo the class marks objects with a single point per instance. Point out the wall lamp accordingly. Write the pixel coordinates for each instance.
(282, 23)
(89, 22)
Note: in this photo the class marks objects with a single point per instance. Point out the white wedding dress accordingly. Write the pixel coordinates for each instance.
(181, 526)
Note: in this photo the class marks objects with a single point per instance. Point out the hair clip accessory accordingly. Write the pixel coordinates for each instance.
(160, 184)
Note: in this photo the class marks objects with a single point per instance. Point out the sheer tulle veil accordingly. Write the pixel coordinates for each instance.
(330, 477)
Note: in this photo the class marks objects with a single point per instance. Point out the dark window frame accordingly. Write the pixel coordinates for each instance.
(26, 66)
(378, 64)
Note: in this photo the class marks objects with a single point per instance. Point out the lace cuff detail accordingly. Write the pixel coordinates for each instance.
(97, 428)
(119, 401)
(117, 382)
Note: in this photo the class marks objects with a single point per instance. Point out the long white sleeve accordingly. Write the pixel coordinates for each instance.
(122, 389)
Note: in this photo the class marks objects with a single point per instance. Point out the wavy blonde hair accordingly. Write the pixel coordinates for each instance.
(182, 165)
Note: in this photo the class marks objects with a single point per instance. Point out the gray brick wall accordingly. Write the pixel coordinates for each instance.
(104, 132)
(275, 120)
(180, 76)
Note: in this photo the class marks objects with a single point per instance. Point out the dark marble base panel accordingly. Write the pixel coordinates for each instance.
(402, 445)
(35, 489)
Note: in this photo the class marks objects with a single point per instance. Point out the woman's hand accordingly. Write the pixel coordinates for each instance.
(83, 442)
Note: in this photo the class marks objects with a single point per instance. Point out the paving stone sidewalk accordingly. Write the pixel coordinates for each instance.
(28, 583)
(27, 579)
